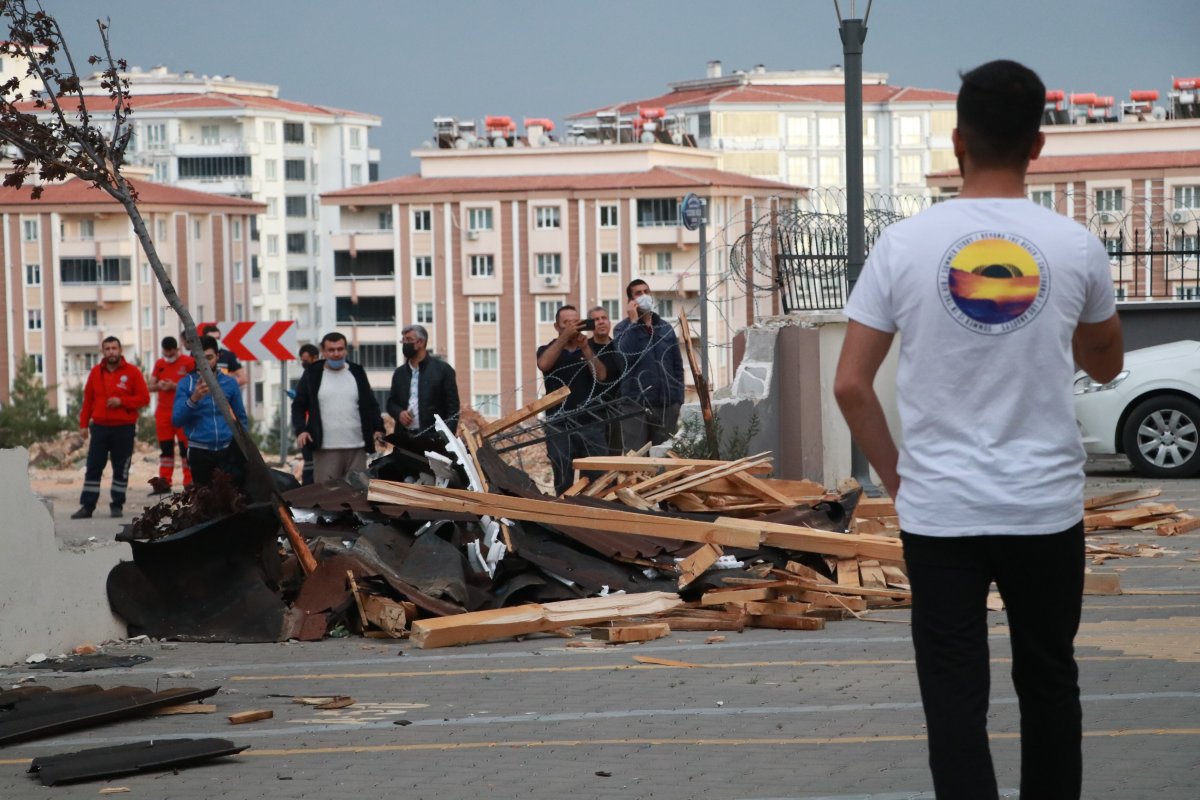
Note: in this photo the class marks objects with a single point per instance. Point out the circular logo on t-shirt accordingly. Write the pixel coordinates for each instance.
(993, 283)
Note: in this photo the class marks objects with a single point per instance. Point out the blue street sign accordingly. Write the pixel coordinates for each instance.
(692, 211)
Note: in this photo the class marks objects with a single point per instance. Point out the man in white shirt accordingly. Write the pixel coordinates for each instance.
(995, 300)
(335, 411)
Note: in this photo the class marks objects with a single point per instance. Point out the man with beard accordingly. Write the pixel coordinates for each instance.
(113, 396)
(167, 372)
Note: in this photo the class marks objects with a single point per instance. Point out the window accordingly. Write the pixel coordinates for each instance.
(254, 273)
(423, 266)
(1188, 246)
(422, 219)
(547, 217)
(484, 311)
(273, 245)
(798, 171)
(666, 307)
(487, 404)
(297, 280)
(145, 274)
(296, 205)
(797, 131)
(160, 229)
(1044, 198)
(198, 272)
(273, 282)
(238, 272)
(356, 178)
(609, 216)
(662, 261)
(200, 312)
(830, 170)
(33, 319)
(87, 229)
(297, 243)
(33, 274)
(39, 363)
(657, 211)
(870, 137)
(259, 395)
(612, 308)
(910, 168)
(549, 264)
(486, 358)
(483, 266)
(197, 229)
(269, 132)
(210, 134)
(829, 132)
(294, 169)
(90, 270)
(272, 207)
(271, 168)
(30, 230)
(479, 219)
(213, 167)
(870, 171)
(91, 318)
(156, 136)
(385, 220)
(910, 131)
(547, 309)
(235, 229)
(375, 356)
(1187, 196)
(147, 316)
(610, 263)
(425, 313)
(162, 172)
(356, 138)
(293, 132)
(238, 312)
(1110, 199)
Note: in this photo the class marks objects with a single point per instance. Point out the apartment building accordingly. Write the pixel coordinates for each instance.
(485, 243)
(238, 138)
(74, 273)
(790, 126)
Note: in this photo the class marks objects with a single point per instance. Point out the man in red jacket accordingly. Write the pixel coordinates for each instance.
(165, 376)
(114, 394)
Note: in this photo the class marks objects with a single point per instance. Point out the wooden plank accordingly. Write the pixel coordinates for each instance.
(576, 487)
(1176, 528)
(631, 499)
(699, 383)
(736, 624)
(783, 607)
(242, 717)
(186, 708)
(761, 488)
(662, 478)
(724, 470)
(716, 598)
(525, 412)
(1127, 518)
(473, 450)
(334, 703)
(503, 623)
(601, 483)
(362, 613)
(871, 507)
(698, 562)
(1120, 498)
(387, 615)
(785, 622)
(895, 576)
(665, 662)
(1101, 583)
(826, 600)
(796, 491)
(856, 591)
(847, 572)
(651, 464)
(632, 633)
(831, 614)
(808, 573)
(872, 574)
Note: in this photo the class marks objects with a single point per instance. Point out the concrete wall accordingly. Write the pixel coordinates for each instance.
(1148, 324)
(51, 600)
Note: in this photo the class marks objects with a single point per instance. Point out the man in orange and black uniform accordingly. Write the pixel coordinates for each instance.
(165, 376)
(112, 397)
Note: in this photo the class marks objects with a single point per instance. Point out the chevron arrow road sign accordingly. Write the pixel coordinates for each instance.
(260, 341)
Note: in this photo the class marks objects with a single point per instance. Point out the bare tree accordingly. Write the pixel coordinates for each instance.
(58, 137)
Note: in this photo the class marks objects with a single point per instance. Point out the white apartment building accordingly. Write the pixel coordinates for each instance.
(237, 138)
(790, 126)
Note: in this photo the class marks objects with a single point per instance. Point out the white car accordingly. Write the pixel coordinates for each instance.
(1150, 412)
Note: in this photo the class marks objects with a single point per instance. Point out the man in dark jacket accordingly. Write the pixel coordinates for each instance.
(653, 376)
(423, 386)
(335, 412)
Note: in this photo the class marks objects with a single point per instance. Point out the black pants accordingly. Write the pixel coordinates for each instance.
(205, 462)
(576, 438)
(655, 424)
(306, 473)
(107, 443)
(1041, 581)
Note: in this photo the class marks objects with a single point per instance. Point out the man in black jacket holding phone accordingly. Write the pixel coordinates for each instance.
(422, 387)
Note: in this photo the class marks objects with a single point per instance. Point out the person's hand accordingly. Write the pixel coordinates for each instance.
(166, 386)
(86, 432)
(200, 391)
(632, 312)
(406, 418)
(571, 333)
(113, 402)
(303, 439)
(379, 443)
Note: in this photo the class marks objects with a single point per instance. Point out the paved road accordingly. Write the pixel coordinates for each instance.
(763, 715)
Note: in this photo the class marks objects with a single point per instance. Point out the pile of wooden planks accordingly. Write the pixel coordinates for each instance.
(1166, 519)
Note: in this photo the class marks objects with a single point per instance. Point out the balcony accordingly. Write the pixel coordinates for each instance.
(88, 337)
(222, 147)
(96, 293)
(233, 185)
(368, 239)
(667, 233)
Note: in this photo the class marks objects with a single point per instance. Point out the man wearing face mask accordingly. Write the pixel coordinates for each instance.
(653, 376)
(167, 373)
(335, 412)
(422, 387)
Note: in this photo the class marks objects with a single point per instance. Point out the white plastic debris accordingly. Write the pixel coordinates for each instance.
(304, 515)
(728, 562)
(36, 658)
(650, 572)
(604, 592)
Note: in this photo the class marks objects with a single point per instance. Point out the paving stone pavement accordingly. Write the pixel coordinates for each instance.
(764, 715)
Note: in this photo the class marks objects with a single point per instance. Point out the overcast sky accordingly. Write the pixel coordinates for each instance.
(408, 62)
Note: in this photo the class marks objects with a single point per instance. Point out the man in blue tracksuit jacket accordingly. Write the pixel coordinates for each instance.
(210, 441)
(653, 377)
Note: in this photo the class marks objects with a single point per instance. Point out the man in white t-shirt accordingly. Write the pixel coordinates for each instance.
(995, 299)
(335, 411)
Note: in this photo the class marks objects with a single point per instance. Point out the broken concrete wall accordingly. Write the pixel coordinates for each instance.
(785, 376)
(51, 600)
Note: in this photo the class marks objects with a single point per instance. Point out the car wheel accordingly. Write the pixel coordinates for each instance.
(1162, 437)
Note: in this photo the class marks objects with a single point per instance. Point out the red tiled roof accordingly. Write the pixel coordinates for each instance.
(207, 100)
(79, 192)
(767, 94)
(655, 178)
(1109, 162)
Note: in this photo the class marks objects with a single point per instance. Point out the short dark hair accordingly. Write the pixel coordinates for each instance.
(170, 343)
(561, 309)
(1000, 109)
(633, 283)
(310, 349)
(207, 329)
(209, 343)
(333, 336)
(108, 339)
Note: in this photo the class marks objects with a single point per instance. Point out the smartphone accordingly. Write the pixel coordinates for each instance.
(589, 324)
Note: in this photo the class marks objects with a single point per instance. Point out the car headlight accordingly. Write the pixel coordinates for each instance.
(1086, 385)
